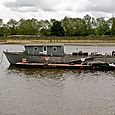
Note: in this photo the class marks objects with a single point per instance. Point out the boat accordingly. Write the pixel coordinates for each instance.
(44, 53)
(48, 54)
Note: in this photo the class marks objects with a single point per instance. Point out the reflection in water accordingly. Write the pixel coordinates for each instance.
(52, 73)
(63, 92)
(36, 72)
(49, 73)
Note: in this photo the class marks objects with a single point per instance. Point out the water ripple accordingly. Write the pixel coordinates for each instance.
(56, 91)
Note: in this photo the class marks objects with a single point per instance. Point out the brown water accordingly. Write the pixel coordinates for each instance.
(55, 91)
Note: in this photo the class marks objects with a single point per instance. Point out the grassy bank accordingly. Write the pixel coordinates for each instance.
(72, 40)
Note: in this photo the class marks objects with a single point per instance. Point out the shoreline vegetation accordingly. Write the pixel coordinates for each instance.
(72, 40)
(87, 31)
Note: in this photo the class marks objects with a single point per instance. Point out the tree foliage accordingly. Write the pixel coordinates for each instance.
(113, 26)
(57, 29)
(86, 26)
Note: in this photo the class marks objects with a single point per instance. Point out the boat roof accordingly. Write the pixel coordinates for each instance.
(49, 44)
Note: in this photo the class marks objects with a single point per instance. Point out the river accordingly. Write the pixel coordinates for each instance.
(56, 91)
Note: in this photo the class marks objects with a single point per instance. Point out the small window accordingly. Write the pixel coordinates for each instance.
(35, 48)
(44, 48)
(55, 49)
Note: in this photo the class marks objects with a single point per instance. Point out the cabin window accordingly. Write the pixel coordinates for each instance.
(54, 49)
(44, 48)
(35, 48)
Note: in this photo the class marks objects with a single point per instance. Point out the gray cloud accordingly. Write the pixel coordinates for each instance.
(96, 8)
(100, 6)
(32, 5)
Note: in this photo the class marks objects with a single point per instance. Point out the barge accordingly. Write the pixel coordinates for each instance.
(53, 55)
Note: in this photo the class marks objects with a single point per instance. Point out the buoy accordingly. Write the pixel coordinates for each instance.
(24, 60)
(46, 58)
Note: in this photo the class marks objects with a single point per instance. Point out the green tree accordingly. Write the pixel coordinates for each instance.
(74, 26)
(45, 26)
(12, 26)
(57, 29)
(35, 26)
(113, 27)
(28, 27)
(1, 22)
(102, 27)
(1, 28)
(66, 23)
(88, 23)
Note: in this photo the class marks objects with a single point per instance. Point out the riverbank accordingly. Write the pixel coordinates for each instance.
(69, 42)
(65, 40)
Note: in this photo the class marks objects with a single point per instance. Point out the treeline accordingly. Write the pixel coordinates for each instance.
(86, 26)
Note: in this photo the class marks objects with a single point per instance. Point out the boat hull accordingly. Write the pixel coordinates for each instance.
(15, 57)
(100, 66)
(45, 65)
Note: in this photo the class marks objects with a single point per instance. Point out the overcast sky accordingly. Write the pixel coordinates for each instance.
(55, 9)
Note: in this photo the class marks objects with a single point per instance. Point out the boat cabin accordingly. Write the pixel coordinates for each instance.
(45, 49)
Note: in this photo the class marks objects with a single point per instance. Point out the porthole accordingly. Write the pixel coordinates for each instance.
(54, 49)
(35, 48)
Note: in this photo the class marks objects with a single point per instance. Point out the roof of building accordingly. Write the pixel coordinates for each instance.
(49, 44)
